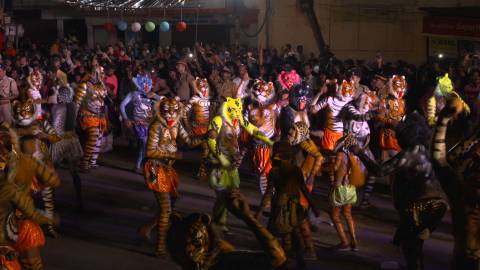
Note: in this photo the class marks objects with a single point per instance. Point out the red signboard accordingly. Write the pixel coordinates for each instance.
(463, 27)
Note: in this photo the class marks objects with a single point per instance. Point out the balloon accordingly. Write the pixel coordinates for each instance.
(164, 26)
(181, 26)
(122, 25)
(108, 27)
(135, 27)
(149, 26)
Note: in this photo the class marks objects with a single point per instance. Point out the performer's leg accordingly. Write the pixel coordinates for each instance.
(163, 200)
(90, 147)
(412, 251)
(308, 239)
(96, 153)
(472, 243)
(202, 171)
(335, 215)
(49, 205)
(31, 259)
(347, 212)
(219, 215)
(142, 144)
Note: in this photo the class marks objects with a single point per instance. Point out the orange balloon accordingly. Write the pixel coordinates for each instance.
(181, 26)
(108, 27)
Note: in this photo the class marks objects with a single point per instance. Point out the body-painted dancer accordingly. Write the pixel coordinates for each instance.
(224, 153)
(458, 172)
(35, 136)
(90, 108)
(142, 113)
(417, 195)
(160, 176)
(263, 111)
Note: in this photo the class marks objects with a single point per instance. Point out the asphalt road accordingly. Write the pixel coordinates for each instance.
(104, 235)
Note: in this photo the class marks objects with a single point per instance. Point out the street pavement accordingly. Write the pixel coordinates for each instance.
(104, 235)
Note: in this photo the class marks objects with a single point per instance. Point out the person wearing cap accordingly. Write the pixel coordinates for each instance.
(226, 87)
(8, 92)
(184, 83)
(379, 85)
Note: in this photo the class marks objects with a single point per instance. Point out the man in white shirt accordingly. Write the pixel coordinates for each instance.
(8, 92)
(242, 82)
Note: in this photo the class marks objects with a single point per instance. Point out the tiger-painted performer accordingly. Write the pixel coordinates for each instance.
(224, 153)
(263, 111)
(68, 148)
(90, 108)
(20, 234)
(198, 113)
(293, 185)
(160, 176)
(142, 113)
(194, 243)
(443, 92)
(417, 194)
(458, 172)
(334, 105)
(391, 112)
(35, 136)
(348, 170)
(356, 115)
(299, 100)
(35, 80)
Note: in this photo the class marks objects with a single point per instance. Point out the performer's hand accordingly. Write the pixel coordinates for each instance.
(224, 161)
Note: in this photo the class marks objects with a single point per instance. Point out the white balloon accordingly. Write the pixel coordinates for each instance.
(135, 27)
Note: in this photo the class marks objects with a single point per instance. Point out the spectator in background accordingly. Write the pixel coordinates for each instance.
(184, 83)
(111, 81)
(8, 92)
(242, 82)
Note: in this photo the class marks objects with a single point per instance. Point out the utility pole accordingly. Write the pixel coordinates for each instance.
(308, 8)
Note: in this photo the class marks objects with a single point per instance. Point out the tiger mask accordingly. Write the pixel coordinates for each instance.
(169, 110)
(202, 89)
(190, 240)
(262, 92)
(23, 112)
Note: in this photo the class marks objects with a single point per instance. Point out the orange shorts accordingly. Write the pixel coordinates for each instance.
(329, 139)
(261, 159)
(160, 177)
(388, 141)
(9, 265)
(30, 236)
(90, 120)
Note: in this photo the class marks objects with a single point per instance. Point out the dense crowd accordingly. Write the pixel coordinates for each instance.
(349, 121)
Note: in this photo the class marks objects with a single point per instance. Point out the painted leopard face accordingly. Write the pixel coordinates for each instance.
(233, 108)
(24, 112)
(201, 87)
(298, 133)
(399, 86)
(170, 110)
(263, 91)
